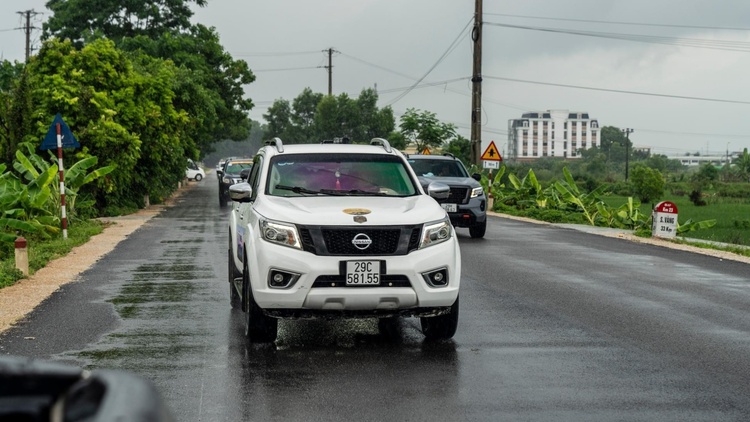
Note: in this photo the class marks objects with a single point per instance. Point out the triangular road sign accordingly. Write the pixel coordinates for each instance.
(491, 153)
(68, 140)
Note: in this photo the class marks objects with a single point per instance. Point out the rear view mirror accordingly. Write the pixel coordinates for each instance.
(47, 391)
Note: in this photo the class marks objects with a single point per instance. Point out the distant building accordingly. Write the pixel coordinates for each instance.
(698, 160)
(551, 133)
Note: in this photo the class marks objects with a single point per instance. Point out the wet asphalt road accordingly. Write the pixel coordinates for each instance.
(555, 325)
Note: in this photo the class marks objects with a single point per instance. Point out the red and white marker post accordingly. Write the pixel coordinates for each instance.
(60, 168)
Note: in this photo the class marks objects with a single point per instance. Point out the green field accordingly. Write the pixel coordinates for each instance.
(732, 217)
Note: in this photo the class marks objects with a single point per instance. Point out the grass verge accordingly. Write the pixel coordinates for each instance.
(42, 251)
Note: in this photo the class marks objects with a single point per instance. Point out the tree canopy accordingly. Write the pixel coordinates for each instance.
(424, 130)
(312, 117)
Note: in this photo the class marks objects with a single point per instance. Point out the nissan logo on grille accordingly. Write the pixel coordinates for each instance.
(361, 241)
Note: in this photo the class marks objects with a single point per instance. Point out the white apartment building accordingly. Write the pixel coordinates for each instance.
(551, 133)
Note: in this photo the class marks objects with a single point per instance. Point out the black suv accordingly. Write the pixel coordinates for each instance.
(467, 203)
(230, 174)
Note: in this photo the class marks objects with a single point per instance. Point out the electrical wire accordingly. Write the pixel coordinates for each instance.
(660, 25)
(286, 69)
(739, 46)
(450, 48)
(682, 97)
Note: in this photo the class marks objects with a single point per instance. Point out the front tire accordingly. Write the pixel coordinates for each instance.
(477, 230)
(441, 327)
(198, 177)
(222, 199)
(259, 328)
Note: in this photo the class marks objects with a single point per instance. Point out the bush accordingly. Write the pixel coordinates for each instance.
(732, 190)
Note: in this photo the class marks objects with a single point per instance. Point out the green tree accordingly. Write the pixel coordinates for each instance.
(743, 165)
(16, 109)
(304, 107)
(209, 84)
(648, 183)
(82, 20)
(460, 147)
(424, 130)
(279, 120)
(121, 112)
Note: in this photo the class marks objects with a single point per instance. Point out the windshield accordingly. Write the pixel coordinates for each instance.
(339, 174)
(236, 167)
(438, 168)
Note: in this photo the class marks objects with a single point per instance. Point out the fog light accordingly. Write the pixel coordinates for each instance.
(436, 278)
(278, 279)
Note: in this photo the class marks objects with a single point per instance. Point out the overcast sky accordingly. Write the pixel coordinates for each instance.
(638, 66)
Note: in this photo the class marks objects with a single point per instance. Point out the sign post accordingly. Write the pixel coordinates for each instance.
(664, 220)
(59, 136)
(491, 158)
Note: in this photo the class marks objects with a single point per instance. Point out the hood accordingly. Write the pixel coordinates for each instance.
(341, 210)
(450, 181)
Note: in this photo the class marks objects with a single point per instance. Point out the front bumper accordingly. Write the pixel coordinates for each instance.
(320, 290)
(469, 214)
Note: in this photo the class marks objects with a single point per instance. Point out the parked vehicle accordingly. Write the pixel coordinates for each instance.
(341, 231)
(194, 171)
(467, 203)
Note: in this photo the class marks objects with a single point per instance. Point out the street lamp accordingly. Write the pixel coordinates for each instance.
(627, 132)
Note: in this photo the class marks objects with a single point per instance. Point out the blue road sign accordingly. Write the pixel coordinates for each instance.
(68, 140)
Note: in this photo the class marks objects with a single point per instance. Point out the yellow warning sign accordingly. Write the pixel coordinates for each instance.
(491, 153)
(425, 151)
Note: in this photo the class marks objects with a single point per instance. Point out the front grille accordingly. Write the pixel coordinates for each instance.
(338, 240)
(458, 196)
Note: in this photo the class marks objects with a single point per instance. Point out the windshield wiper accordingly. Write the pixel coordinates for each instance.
(362, 192)
(301, 190)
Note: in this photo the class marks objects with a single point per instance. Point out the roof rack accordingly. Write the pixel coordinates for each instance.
(448, 154)
(277, 143)
(383, 142)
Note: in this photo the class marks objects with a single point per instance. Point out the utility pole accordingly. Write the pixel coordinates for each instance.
(476, 86)
(330, 69)
(27, 29)
(627, 132)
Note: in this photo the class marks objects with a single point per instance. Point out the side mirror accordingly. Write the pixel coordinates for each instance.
(240, 192)
(477, 177)
(439, 190)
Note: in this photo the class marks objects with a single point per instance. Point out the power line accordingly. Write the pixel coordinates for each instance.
(682, 97)
(463, 33)
(276, 54)
(660, 25)
(739, 46)
(286, 69)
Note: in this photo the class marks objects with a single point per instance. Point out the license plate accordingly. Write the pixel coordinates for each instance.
(450, 207)
(362, 273)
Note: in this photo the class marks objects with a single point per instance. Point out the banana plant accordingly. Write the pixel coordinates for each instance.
(691, 225)
(585, 202)
(31, 165)
(626, 216)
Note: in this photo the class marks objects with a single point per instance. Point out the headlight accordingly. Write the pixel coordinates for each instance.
(434, 233)
(228, 181)
(477, 192)
(280, 233)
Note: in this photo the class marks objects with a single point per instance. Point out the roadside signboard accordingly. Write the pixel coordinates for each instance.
(491, 164)
(491, 154)
(664, 220)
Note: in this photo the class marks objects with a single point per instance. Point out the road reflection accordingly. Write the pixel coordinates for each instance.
(321, 369)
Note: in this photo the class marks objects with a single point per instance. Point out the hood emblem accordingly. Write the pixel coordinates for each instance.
(361, 241)
(360, 219)
(356, 211)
